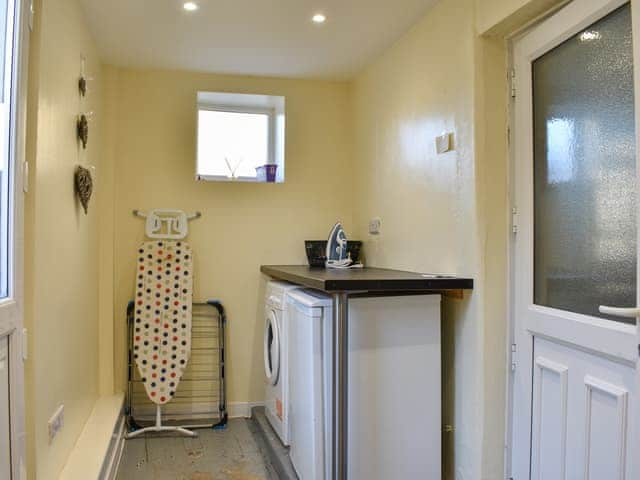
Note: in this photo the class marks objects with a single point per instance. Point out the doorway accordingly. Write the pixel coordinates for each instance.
(14, 40)
(575, 281)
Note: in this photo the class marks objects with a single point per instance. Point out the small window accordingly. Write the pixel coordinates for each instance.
(240, 137)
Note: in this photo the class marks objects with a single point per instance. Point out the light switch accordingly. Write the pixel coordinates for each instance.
(444, 143)
(56, 422)
(374, 226)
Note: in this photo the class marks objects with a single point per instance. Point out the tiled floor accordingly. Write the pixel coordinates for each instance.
(231, 454)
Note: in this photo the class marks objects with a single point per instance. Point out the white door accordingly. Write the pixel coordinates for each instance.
(14, 18)
(575, 397)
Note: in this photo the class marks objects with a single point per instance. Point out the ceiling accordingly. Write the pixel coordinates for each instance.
(252, 37)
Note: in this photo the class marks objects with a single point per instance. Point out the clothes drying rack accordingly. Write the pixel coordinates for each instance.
(198, 391)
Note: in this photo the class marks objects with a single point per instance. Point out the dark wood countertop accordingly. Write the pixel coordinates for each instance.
(364, 279)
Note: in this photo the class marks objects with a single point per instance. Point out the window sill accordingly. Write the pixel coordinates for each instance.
(223, 178)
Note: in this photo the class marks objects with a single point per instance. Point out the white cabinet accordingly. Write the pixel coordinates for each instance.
(394, 428)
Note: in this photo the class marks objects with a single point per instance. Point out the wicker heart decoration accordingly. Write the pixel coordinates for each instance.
(84, 186)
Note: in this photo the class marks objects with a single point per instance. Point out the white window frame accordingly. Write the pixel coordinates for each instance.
(271, 149)
(271, 106)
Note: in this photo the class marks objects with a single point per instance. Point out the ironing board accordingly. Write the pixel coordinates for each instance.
(162, 321)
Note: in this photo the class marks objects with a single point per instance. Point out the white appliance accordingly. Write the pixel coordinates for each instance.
(310, 327)
(276, 359)
(394, 428)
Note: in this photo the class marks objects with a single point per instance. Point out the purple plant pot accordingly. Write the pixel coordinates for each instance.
(266, 173)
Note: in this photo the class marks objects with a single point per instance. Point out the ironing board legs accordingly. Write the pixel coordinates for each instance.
(158, 427)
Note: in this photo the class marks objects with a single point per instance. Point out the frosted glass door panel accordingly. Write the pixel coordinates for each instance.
(5, 457)
(585, 170)
(5, 165)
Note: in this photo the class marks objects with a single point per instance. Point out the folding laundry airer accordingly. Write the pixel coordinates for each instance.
(162, 315)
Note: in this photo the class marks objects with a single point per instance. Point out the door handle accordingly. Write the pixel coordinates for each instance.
(633, 312)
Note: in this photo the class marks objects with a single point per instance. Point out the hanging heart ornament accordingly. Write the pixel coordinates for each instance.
(82, 128)
(84, 186)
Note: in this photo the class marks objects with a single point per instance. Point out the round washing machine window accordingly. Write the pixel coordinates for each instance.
(271, 348)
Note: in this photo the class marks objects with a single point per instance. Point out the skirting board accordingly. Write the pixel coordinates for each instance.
(242, 409)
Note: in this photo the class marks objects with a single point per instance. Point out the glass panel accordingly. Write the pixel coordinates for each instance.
(5, 134)
(3, 36)
(232, 144)
(585, 170)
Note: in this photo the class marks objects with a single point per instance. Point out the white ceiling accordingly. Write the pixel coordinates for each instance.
(254, 37)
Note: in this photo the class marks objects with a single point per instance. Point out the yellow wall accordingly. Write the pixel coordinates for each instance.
(243, 224)
(444, 213)
(107, 317)
(61, 270)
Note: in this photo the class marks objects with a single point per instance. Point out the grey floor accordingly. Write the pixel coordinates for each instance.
(231, 454)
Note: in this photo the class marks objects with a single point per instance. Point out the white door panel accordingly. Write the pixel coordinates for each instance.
(5, 459)
(581, 419)
(575, 382)
(605, 429)
(551, 384)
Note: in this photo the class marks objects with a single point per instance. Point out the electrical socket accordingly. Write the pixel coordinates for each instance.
(56, 422)
(374, 226)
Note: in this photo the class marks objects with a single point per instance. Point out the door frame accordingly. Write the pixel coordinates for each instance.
(515, 458)
(23, 17)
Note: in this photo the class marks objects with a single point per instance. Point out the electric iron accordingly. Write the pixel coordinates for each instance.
(337, 254)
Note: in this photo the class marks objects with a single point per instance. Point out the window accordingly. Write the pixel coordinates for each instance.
(240, 137)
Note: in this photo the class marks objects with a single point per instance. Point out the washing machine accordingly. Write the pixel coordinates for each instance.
(276, 358)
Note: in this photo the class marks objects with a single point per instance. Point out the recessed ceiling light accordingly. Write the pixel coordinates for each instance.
(190, 6)
(319, 18)
(590, 35)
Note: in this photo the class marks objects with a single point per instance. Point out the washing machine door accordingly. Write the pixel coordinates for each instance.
(271, 348)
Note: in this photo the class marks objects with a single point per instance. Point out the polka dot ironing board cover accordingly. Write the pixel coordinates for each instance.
(162, 330)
